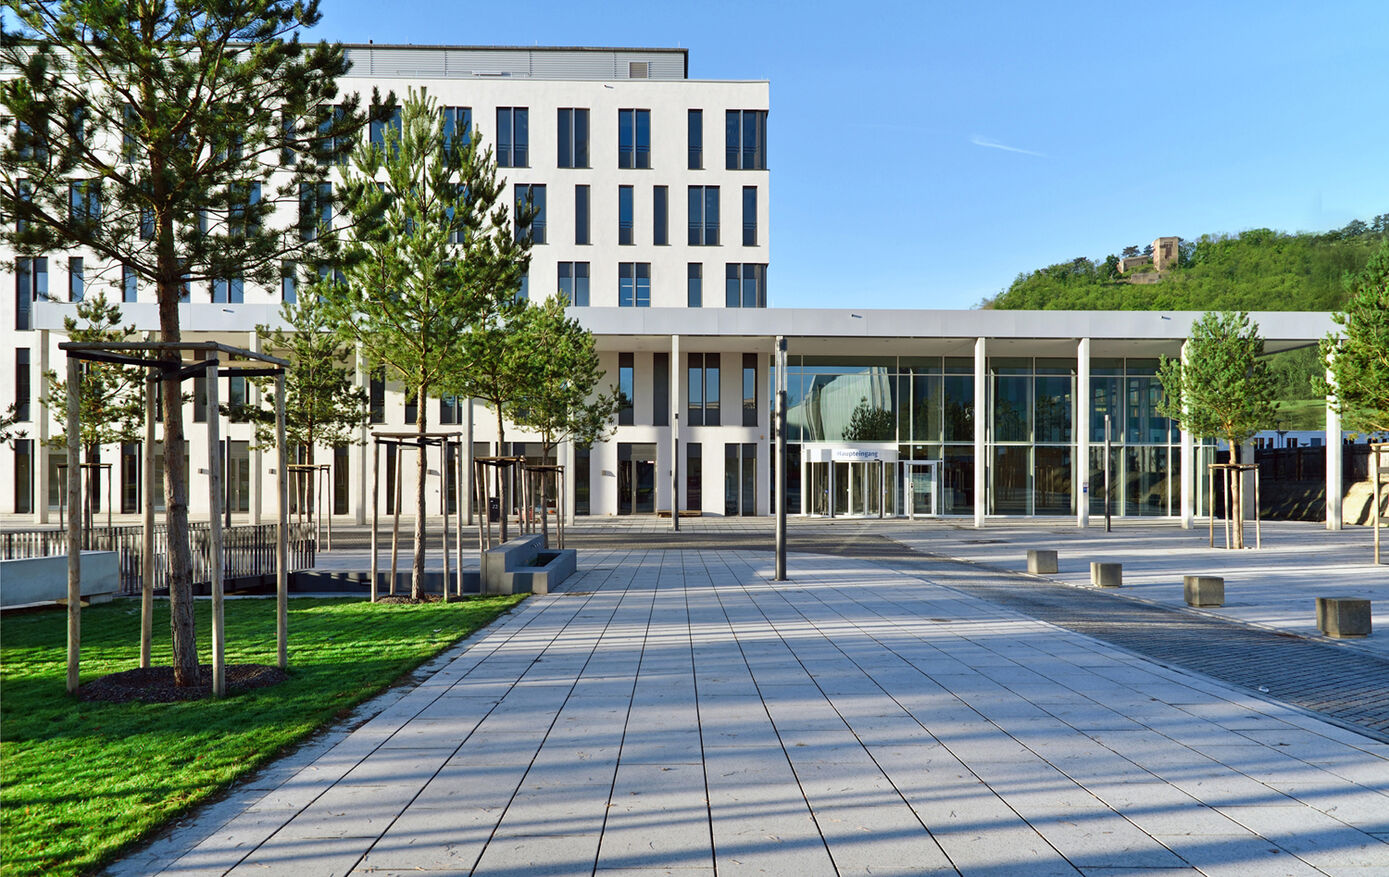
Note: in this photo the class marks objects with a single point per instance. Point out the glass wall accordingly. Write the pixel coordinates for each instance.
(926, 405)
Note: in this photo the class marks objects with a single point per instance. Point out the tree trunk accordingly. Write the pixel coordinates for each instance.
(544, 516)
(502, 481)
(180, 560)
(421, 472)
(1237, 501)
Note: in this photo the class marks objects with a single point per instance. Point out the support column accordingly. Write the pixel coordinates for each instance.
(981, 414)
(781, 458)
(566, 459)
(467, 486)
(1189, 473)
(1080, 478)
(1334, 450)
(674, 372)
(257, 459)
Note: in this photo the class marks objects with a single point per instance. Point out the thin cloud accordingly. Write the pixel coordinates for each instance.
(994, 144)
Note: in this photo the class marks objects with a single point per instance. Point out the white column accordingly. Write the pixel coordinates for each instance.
(1189, 473)
(566, 459)
(981, 413)
(1334, 449)
(1080, 469)
(677, 407)
(467, 485)
(39, 415)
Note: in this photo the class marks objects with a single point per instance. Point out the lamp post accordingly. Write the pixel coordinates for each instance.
(781, 458)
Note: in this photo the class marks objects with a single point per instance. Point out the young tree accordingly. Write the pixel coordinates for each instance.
(111, 402)
(323, 405)
(147, 133)
(1359, 357)
(431, 251)
(8, 419)
(1224, 389)
(560, 398)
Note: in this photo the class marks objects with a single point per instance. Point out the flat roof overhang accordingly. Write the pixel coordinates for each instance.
(866, 332)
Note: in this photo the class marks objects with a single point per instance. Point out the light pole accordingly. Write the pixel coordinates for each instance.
(780, 366)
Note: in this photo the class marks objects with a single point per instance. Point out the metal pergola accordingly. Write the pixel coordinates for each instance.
(165, 361)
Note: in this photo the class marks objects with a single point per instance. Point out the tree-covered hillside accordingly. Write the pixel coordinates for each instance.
(1257, 270)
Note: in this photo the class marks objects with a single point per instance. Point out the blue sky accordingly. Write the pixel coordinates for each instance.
(923, 154)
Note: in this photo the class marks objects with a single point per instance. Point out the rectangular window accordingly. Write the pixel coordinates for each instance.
(702, 389)
(237, 398)
(450, 410)
(573, 283)
(130, 284)
(84, 202)
(634, 138)
(458, 124)
(573, 137)
(704, 216)
(21, 385)
(694, 476)
(581, 236)
(749, 216)
(289, 282)
(660, 389)
(199, 399)
(694, 284)
(287, 137)
(379, 125)
(745, 285)
(228, 290)
(749, 389)
(626, 403)
(376, 394)
(660, 219)
(146, 224)
(341, 480)
(412, 405)
(315, 209)
(513, 137)
(746, 140)
(625, 215)
(242, 216)
(77, 281)
(531, 198)
(130, 127)
(25, 190)
(583, 457)
(696, 140)
(23, 476)
(31, 284)
(634, 284)
(524, 293)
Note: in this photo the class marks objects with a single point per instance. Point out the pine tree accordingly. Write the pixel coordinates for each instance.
(431, 250)
(148, 133)
(1359, 358)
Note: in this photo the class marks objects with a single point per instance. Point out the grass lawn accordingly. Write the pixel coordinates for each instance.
(1302, 413)
(79, 781)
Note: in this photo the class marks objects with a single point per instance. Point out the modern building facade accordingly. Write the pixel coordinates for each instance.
(653, 196)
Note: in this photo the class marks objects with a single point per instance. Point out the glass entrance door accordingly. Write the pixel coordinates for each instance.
(636, 479)
(920, 489)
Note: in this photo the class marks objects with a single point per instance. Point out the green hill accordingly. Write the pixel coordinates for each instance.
(1257, 270)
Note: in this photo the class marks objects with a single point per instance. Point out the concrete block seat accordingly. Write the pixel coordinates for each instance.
(1342, 617)
(1204, 590)
(526, 564)
(1106, 575)
(45, 579)
(1041, 561)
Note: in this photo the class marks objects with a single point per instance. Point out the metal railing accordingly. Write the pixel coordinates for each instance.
(247, 551)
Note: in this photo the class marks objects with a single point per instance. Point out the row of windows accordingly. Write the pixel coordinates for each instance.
(704, 222)
(702, 389)
(745, 138)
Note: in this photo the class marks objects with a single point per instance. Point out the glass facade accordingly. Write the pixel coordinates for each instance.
(926, 405)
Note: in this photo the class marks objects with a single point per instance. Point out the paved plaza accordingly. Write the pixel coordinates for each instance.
(677, 712)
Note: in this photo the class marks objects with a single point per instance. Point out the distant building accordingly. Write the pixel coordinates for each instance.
(1163, 256)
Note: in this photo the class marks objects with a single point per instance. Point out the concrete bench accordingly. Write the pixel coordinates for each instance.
(1040, 561)
(525, 564)
(45, 579)
(1106, 575)
(1204, 590)
(1343, 617)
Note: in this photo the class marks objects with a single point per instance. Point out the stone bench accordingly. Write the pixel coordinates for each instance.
(525, 564)
(1106, 575)
(1040, 561)
(1204, 590)
(1342, 617)
(45, 579)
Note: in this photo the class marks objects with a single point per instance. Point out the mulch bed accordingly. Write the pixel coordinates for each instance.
(407, 600)
(156, 684)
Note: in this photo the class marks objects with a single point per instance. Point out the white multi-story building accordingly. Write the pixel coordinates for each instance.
(654, 197)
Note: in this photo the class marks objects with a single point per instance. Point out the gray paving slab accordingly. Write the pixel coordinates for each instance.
(677, 712)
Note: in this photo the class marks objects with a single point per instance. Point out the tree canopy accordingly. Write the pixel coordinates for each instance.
(1224, 389)
(1359, 358)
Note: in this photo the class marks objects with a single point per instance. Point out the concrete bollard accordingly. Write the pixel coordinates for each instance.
(1041, 561)
(1204, 590)
(1343, 617)
(1106, 575)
